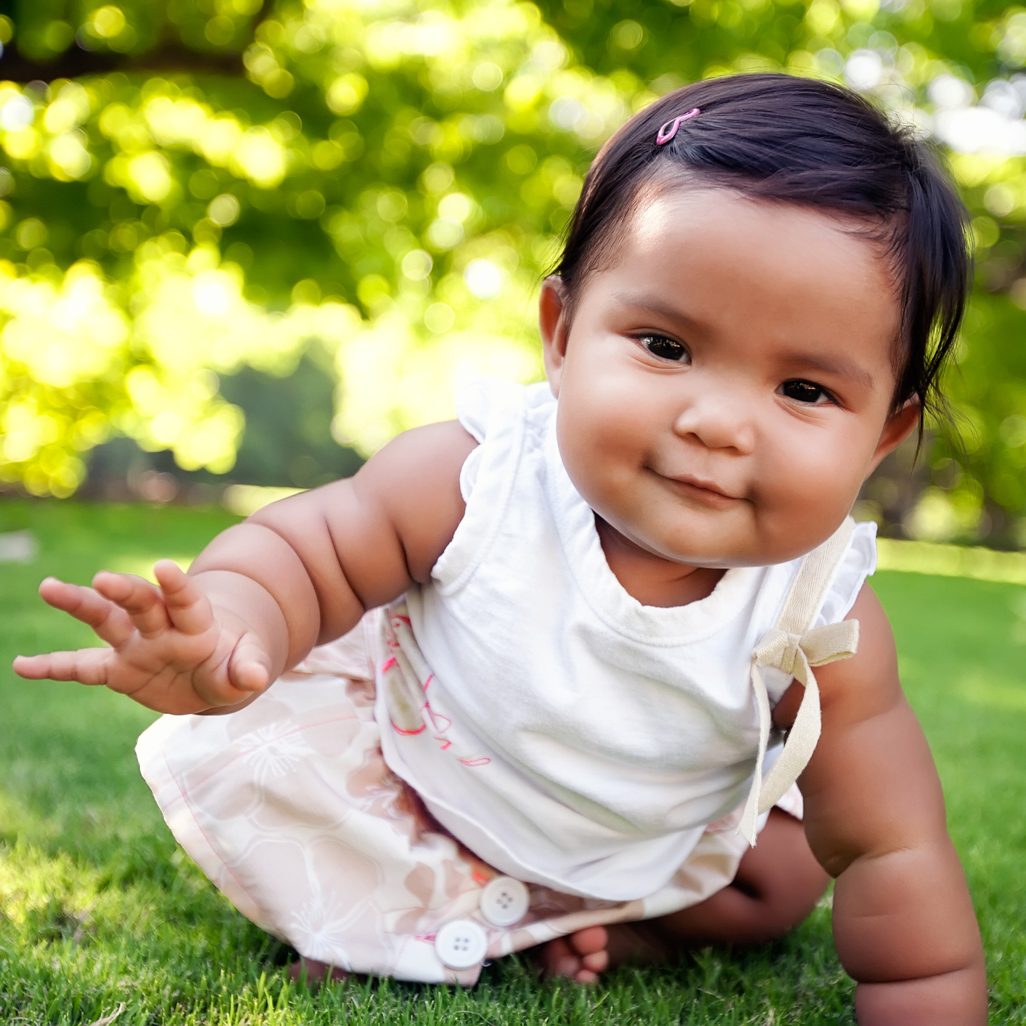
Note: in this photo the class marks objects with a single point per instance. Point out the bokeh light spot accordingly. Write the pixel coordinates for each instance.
(310, 204)
(346, 93)
(17, 113)
(487, 76)
(166, 427)
(224, 210)
(483, 278)
(31, 233)
(417, 264)
(149, 173)
(439, 318)
(108, 21)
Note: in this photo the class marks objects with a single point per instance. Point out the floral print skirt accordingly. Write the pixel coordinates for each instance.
(289, 808)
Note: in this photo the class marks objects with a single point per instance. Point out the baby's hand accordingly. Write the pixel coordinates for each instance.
(167, 650)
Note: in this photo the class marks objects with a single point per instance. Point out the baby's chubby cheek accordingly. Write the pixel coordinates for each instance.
(599, 434)
(599, 473)
(608, 475)
(803, 502)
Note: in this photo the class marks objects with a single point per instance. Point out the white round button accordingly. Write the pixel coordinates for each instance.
(461, 944)
(505, 901)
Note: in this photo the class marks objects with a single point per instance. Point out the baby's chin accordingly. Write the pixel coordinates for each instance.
(727, 553)
(724, 540)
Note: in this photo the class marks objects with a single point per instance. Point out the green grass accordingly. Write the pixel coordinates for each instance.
(97, 907)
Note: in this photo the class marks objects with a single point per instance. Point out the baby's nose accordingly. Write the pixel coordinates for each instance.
(718, 422)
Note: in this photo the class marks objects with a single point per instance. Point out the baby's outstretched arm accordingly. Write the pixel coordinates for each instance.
(262, 594)
(874, 816)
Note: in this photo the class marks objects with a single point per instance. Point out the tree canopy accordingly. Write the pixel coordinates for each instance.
(194, 187)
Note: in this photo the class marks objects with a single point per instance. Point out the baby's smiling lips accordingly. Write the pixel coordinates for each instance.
(705, 491)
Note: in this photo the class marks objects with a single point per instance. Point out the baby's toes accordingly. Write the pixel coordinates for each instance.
(589, 941)
(559, 959)
(590, 946)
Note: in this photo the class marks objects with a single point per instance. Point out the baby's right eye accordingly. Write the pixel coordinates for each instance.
(665, 348)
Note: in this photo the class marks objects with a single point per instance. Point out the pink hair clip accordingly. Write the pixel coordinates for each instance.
(669, 130)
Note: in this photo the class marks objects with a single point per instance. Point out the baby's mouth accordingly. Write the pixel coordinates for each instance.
(702, 489)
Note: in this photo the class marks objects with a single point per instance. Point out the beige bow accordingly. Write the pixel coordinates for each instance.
(796, 655)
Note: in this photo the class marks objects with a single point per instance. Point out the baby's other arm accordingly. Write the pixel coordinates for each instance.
(297, 573)
(903, 920)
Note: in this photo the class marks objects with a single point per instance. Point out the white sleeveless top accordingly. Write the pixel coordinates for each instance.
(567, 734)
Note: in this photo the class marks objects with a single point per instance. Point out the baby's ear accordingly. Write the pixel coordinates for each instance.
(555, 327)
(899, 426)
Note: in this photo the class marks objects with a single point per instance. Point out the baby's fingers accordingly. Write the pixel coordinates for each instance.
(109, 622)
(249, 668)
(246, 673)
(87, 666)
(187, 606)
(143, 603)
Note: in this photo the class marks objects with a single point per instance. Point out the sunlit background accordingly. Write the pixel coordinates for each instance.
(246, 243)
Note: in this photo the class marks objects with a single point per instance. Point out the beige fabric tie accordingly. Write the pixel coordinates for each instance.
(793, 648)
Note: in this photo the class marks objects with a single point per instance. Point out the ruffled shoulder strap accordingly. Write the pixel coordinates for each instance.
(794, 647)
(503, 417)
(484, 404)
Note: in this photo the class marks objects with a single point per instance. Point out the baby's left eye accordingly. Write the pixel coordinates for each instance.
(805, 392)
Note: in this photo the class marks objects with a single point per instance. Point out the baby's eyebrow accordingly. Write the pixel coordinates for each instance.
(654, 305)
(839, 365)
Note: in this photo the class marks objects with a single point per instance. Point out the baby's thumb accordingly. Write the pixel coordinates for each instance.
(250, 665)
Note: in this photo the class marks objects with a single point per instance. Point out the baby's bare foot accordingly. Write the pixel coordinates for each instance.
(583, 955)
(313, 972)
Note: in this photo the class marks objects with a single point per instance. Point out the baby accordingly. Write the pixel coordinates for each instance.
(525, 679)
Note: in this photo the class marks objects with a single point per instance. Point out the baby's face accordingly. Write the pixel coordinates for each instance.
(726, 385)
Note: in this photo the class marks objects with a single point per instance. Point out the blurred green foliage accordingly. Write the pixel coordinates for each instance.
(195, 187)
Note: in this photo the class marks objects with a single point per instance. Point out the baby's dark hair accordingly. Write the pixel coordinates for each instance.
(796, 140)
